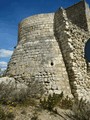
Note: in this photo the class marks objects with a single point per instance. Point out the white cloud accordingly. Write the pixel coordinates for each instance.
(5, 53)
(3, 69)
(3, 64)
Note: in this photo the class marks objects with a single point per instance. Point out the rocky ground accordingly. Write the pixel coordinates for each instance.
(16, 103)
(31, 110)
(36, 113)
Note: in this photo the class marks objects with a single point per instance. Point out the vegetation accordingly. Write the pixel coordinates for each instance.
(66, 103)
(81, 110)
(56, 100)
(2, 73)
(35, 116)
(6, 115)
(9, 95)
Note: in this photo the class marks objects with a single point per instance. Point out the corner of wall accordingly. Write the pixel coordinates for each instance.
(87, 13)
(71, 39)
(63, 37)
(76, 14)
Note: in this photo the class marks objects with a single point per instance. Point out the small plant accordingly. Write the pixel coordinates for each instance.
(10, 116)
(1, 72)
(66, 103)
(10, 95)
(51, 101)
(2, 114)
(81, 110)
(6, 115)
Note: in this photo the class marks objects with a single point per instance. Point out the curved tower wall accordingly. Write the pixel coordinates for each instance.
(38, 55)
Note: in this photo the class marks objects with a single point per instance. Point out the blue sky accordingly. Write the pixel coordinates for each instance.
(13, 11)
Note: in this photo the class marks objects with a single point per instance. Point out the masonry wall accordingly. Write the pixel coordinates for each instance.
(72, 39)
(51, 51)
(77, 15)
(38, 56)
(87, 11)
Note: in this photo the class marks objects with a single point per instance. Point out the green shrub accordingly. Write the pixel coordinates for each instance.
(2, 114)
(51, 101)
(6, 115)
(66, 103)
(10, 95)
(56, 100)
(10, 116)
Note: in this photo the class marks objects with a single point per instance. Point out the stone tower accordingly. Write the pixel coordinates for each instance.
(51, 51)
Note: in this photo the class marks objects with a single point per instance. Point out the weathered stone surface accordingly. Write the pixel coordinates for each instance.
(38, 56)
(50, 50)
(72, 40)
(9, 81)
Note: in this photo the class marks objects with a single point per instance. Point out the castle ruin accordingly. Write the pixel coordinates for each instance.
(51, 51)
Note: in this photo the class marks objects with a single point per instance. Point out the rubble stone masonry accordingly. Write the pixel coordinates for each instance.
(51, 51)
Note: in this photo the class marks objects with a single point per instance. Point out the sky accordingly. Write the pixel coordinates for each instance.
(13, 11)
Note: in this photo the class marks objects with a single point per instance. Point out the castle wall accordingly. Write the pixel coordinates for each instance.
(51, 51)
(76, 14)
(72, 41)
(38, 56)
(87, 11)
